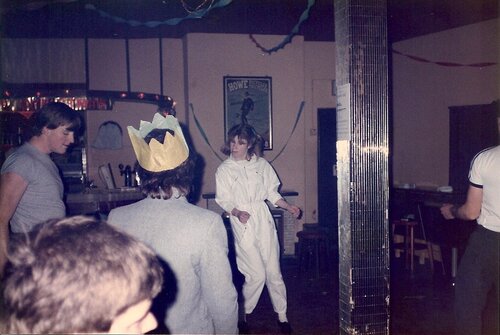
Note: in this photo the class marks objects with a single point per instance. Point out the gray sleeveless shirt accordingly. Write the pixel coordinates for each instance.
(43, 198)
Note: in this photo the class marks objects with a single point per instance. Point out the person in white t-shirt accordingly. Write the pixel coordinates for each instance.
(478, 272)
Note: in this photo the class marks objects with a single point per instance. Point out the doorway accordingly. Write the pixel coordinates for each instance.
(472, 129)
(327, 173)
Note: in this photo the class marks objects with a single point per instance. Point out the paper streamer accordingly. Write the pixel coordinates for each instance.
(448, 64)
(197, 14)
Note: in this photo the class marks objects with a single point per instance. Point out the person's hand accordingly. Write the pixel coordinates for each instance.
(243, 216)
(294, 210)
(446, 211)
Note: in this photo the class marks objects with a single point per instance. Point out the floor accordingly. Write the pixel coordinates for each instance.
(420, 303)
(312, 303)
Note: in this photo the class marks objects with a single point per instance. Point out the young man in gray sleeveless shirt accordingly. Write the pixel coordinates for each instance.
(31, 190)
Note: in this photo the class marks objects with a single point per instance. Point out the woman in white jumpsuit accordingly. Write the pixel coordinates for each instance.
(244, 182)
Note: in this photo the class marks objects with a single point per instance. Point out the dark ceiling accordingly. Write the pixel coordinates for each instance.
(74, 19)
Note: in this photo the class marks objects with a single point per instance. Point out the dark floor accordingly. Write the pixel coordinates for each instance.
(312, 303)
(420, 304)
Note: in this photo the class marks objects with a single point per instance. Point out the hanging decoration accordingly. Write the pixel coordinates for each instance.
(205, 137)
(202, 132)
(448, 64)
(299, 113)
(196, 14)
(287, 39)
(199, 12)
(201, 5)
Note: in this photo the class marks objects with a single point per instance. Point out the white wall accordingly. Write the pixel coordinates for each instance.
(212, 56)
(108, 71)
(125, 114)
(319, 72)
(43, 60)
(423, 92)
(193, 71)
(107, 64)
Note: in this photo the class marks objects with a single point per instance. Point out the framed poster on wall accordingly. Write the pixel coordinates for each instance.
(249, 100)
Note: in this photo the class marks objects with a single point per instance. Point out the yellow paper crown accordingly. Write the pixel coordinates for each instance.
(158, 157)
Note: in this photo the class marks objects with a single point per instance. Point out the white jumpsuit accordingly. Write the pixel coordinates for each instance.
(246, 185)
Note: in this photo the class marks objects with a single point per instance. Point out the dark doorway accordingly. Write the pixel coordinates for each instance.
(327, 172)
(472, 129)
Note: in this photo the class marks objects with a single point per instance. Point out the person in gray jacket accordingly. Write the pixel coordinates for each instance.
(191, 240)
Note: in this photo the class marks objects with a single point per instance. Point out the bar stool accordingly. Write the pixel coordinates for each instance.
(408, 245)
(312, 250)
(433, 251)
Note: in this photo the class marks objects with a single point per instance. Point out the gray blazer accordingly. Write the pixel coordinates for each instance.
(193, 241)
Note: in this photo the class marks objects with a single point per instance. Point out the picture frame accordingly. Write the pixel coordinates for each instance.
(249, 99)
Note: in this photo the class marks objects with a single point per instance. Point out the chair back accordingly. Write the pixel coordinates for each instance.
(431, 227)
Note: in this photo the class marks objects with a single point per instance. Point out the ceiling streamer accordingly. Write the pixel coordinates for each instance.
(199, 12)
(288, 38)
(441, 63)
(194, 14)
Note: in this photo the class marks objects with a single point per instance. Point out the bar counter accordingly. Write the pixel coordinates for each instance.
(100, 201)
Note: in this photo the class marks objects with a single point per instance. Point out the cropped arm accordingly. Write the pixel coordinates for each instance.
(223, 195)
(471, 209)
(216, 280)
(272, 183)
(12, 187)
(292, 209)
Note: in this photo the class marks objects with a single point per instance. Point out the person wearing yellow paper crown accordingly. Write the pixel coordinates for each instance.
(190, 239)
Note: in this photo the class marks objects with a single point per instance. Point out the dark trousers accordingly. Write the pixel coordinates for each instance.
(477, 282)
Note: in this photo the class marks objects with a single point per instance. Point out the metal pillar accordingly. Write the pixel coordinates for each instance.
(363, 169)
